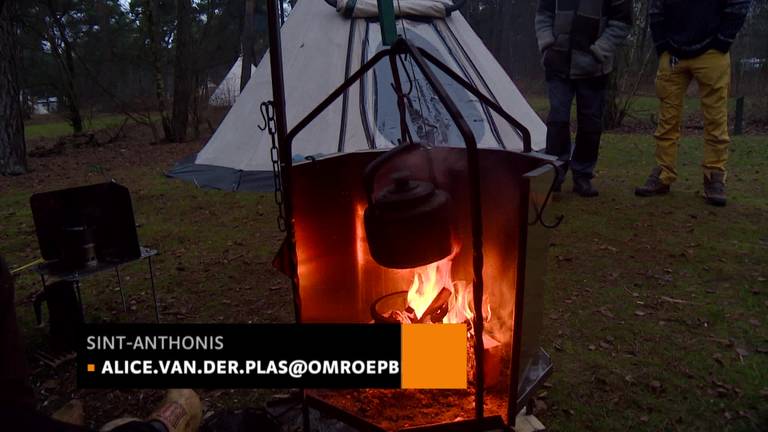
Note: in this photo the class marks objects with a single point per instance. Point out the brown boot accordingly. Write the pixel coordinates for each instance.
(653, 185)
(714, 188)
(180, 411)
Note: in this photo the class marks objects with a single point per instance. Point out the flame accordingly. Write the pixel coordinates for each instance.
(427, 283)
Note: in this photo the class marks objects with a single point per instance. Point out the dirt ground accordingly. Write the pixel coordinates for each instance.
(656, 309)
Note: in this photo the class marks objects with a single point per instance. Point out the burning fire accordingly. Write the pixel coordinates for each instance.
(434, 292)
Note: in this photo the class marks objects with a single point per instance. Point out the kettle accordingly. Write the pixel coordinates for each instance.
(409, 223)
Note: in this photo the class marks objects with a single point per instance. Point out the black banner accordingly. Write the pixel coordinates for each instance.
(239, 356)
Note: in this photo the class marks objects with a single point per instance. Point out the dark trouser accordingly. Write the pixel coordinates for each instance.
(590, 102)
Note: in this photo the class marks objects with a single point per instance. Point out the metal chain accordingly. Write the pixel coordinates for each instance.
(268, 115)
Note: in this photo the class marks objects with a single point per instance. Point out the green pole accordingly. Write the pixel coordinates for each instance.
(387, 22)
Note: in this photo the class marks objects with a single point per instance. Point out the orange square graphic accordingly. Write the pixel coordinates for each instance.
(91, 367)
(434, 356)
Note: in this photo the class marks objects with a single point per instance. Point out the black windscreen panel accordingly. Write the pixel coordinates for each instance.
(104, 208)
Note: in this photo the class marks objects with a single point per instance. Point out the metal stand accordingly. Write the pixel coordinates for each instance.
(49, 269)
(120, 287)
(154, 294)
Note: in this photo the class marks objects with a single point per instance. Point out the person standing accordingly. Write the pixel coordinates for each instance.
(693, 39)
(578, 40)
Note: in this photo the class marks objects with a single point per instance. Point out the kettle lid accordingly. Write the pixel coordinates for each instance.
(405, 192)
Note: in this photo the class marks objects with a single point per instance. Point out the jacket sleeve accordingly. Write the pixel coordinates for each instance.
(656, 20)
(545, 22)
(732, 19)
(617, 29)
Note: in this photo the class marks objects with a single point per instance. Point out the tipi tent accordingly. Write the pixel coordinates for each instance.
(227, 92)
(321, 47)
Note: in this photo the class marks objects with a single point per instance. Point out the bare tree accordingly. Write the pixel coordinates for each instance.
(183, 85)
(249, 42)
(632, 63)
(59, 41)
(13, 149)
(150, 18)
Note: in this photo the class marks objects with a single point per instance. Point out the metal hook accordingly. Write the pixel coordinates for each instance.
(540, 211)
(267, 114)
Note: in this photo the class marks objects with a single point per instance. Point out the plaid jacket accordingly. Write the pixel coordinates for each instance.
(579, 38)
(688, 28)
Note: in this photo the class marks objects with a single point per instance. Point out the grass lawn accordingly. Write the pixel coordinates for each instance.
(49, 126)
(656, 313)
(641, 109)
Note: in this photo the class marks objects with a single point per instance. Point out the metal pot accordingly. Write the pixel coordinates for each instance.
(77, 248)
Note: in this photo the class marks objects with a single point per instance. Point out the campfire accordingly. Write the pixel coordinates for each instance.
(434, 297)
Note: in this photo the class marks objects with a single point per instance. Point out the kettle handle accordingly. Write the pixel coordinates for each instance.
(369, 175)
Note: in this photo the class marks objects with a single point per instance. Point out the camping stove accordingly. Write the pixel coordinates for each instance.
(341, 282)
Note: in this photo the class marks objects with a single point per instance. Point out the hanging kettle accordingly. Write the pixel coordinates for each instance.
(409, 223)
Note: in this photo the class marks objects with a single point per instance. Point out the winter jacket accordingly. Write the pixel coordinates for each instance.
(688, 28)
(579, 38)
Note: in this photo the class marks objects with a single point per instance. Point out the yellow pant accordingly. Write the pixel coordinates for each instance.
(712, 72)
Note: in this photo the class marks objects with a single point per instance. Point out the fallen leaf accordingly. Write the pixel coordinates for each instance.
(605, 312)
(50, 384)
(674, 300)
(718, 358)
(640, 313)
(742, 353)
(591, 347)
(725, 342)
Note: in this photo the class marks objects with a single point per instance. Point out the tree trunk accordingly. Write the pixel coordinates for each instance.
(182, 85)
(248, 41)
(13, 149)
(157, 69)
(73, 100)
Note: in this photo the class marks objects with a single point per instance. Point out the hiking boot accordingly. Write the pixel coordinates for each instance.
(714, 188)
(583, 187)
(653, 185)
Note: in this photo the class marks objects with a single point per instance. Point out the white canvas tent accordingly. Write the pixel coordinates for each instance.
(228, 91)
(321, 47)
